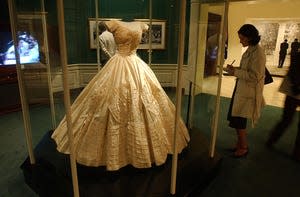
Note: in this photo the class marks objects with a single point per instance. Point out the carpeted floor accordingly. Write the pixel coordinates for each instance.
(263, 172)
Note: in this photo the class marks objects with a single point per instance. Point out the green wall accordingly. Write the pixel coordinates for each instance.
(77, 13)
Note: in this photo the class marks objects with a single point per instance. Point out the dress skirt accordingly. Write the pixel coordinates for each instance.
(123, 116)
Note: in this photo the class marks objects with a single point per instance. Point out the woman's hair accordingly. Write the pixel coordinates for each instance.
(251, 33)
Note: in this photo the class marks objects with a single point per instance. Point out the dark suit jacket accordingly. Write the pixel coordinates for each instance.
(294, 72)
(283, 48)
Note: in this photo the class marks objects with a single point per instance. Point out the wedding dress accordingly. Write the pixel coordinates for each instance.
(123, 116)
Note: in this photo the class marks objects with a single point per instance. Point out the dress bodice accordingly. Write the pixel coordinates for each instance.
(127, 35)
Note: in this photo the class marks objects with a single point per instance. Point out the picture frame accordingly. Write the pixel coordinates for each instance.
(93, 31)
(158, 34)
(273, 32)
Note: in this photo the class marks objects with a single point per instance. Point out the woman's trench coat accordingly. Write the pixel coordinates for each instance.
(248, 98)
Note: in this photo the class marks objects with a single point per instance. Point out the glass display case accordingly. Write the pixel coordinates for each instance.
(184, 47)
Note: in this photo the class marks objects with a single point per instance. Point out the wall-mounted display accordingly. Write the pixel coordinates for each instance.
(93, 30)
(29, 41)
(158, 35)
(274, 31)
(28, 49)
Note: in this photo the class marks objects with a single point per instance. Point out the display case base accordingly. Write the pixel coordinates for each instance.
(51, 174)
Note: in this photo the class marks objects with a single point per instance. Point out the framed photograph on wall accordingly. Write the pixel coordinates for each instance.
(93, 30)
(273, 32)
(158, 35)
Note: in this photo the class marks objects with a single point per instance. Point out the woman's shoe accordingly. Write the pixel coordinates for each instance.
(242, 152)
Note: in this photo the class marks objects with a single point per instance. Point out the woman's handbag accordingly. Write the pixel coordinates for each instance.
(268, 77)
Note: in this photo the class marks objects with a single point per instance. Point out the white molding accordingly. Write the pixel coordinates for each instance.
(81, 74)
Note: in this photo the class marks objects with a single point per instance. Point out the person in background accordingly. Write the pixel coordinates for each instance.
(294, 47)
(282, 53)
(107, 44)
(247, 99)
(291, 88)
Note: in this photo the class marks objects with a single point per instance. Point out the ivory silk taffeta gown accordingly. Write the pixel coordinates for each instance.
(123, 116)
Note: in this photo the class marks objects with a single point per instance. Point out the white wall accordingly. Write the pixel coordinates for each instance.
(240, 11)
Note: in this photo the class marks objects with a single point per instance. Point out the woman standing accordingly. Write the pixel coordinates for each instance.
(247, 99)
